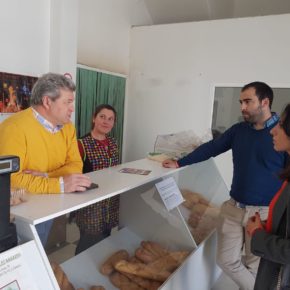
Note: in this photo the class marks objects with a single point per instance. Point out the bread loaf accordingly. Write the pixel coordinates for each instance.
(142, 270)
(66, 285)
(61, 278)
(170, 261)
(58, 273)
(143, 282)
(145, 256)
(97, 288)
(155, 248)
(192, 198)
(108, 266)
(122, 282)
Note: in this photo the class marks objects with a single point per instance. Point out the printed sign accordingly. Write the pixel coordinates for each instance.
(170, 193)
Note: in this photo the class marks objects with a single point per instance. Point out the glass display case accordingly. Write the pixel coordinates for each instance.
(143, 217)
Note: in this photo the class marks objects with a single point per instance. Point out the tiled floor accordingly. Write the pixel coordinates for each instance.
(66, 251)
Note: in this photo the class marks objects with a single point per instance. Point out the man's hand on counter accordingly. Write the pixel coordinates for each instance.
(76, 182)
(169, 163)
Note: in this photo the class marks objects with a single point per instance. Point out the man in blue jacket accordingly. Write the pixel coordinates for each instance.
(255, 179)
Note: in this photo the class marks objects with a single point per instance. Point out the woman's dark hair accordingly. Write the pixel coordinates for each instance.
(285, 124)
(99, 108)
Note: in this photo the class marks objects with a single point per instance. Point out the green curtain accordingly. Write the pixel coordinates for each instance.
(95, 88)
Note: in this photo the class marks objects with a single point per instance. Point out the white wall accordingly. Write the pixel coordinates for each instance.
(174, 68)
(37, 37)
(24, 30)
(104, 32)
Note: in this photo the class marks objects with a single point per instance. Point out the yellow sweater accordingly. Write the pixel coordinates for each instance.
(55, 154)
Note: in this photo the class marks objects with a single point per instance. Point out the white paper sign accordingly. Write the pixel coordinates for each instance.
(14, 271)
(169, 193)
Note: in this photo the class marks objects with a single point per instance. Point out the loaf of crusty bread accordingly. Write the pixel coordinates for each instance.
(122, 282)
(58, 273)
(150, 251)
(66, 284)
(97, 288)
(155, 248)
(108, 266)
(143, 282)
(170, 261)
(145, 256)
(142, 270)
(61, 278)
(192, 198)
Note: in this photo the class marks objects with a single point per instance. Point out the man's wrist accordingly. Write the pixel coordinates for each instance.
(61, 183)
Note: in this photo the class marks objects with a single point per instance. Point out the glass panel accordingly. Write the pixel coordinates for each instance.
(226, 107)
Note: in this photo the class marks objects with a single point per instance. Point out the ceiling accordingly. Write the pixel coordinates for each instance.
(174, 11)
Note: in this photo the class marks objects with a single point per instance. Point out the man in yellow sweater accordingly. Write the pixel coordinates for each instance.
(45, 140)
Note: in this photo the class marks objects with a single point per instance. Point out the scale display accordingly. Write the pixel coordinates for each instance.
(9, 164)
(5, 165)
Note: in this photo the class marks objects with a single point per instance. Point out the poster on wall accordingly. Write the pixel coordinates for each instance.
(15, 92)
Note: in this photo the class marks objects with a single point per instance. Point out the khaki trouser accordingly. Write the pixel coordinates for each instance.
(234, 245)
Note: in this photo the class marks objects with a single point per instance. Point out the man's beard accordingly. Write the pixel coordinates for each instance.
(255, 116)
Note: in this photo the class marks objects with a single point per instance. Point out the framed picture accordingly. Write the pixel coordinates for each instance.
(15, 92)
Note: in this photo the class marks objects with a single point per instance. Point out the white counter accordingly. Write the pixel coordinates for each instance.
(42, 207)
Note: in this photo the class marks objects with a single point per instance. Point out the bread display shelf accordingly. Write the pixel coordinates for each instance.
(143, 216)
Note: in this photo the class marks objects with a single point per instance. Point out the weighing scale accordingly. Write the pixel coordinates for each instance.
(8, 236)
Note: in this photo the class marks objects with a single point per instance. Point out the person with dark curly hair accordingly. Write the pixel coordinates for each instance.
(271, 240)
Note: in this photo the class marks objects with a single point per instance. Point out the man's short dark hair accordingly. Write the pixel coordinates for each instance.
(263, 91)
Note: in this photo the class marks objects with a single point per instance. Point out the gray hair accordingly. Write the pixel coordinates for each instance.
(50, 85)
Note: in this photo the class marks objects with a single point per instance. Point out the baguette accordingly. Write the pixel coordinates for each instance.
(97, 288)
(142, 270)
(199, 209)
(155, 248)
(66, 284)
(134, 259)
(122, 282)
(107, 267)
(145, 256)
(192, 198)
(143, 282)
(58, 273)
(169, 262)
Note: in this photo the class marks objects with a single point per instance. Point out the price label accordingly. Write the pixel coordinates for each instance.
(170, 193)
